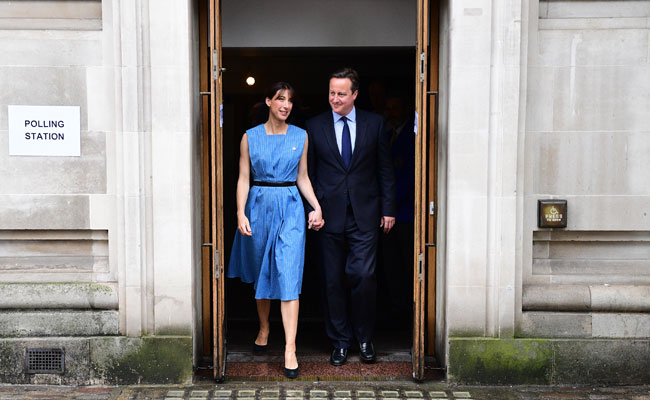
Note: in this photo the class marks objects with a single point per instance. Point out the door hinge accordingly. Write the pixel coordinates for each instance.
(432, 208)
(215, 64)
(420, 267)
(423, 57)
(217, 265)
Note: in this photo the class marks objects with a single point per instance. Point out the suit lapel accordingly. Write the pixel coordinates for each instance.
(360, 139)
(330, 135)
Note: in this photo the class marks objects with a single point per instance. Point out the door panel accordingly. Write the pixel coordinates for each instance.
(206, 207)
(420, 187)
(432, 175)
(216, 185)
(431, 201)
(424, 277)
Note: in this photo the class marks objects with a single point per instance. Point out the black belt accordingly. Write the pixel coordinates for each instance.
(273, 184)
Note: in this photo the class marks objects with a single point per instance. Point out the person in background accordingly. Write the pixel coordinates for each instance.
(397, 245)
(377, 96)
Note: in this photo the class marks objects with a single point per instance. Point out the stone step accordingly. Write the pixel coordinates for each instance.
(61, 295)
(41, 323)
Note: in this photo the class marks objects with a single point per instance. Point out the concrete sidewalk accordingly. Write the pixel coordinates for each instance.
(384, 390)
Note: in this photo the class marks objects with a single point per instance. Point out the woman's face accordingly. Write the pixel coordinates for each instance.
(280, 105)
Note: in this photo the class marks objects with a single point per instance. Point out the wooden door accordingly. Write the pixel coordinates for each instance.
(418, 220)
(216, 192)
(432, 176)
(426, 78)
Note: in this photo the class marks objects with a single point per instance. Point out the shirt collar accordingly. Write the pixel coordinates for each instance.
(352, 116)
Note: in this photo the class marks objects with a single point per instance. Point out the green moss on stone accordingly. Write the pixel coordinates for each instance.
(98, 287)
(160, 359)
(483, 360)
(9, 361)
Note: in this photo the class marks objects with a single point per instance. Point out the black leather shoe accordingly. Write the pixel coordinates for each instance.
(367, 352)
(291, 373)
(257, 349)
(339, 357)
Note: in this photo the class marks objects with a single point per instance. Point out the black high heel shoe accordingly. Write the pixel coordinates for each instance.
(291, 373)
(257, 349)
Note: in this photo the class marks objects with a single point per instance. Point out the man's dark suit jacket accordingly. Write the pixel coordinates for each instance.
(369, 182)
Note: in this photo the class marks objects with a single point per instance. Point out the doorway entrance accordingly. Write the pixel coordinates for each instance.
(229, 316)
(387, 75)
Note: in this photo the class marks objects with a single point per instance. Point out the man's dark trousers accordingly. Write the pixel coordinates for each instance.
(351, 255)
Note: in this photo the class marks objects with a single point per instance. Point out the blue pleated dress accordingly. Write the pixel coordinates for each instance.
(273, 258)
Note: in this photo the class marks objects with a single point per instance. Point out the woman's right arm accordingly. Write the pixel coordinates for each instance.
(243, 184)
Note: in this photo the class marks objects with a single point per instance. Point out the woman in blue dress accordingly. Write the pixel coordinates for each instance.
(269, 244)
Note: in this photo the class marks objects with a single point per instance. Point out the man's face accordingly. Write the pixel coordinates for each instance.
(341, 95)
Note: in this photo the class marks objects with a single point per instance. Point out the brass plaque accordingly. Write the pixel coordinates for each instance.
(551, 213)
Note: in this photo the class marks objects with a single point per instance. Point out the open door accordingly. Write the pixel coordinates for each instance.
(431, 152)
(420, 167)
(425, 183)
(216, 192)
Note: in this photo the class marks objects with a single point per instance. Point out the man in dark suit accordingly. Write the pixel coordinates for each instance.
(351, 170)
(397, 246)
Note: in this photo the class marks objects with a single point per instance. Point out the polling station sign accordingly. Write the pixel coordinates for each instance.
(44, 131)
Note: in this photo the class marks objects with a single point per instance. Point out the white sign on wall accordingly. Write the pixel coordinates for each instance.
(44, 131)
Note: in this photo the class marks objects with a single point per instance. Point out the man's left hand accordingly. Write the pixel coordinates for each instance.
(387, 223)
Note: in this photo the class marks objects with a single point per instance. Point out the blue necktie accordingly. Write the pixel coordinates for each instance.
(346, 143)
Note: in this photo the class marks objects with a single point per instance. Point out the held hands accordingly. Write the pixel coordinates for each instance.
(243, 225)
(387, 223)
(316, 220)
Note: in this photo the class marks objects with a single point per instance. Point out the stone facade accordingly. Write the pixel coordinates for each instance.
(539, 99)
(98, 252)
(546, 100)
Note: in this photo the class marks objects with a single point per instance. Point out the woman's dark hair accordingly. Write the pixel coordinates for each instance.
(270, 92)
(350, 74)
(260, 112)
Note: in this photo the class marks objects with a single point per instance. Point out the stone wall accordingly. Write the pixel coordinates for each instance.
(480, 136)
(587, 129)
(55, 213)
(101, 245)
(546, 99)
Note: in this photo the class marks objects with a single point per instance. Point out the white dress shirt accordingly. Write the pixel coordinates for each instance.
(338, 128)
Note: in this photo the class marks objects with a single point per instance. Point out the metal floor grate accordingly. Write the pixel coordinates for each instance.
(45, 361)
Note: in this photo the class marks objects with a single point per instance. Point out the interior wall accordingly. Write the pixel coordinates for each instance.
(332, 23)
